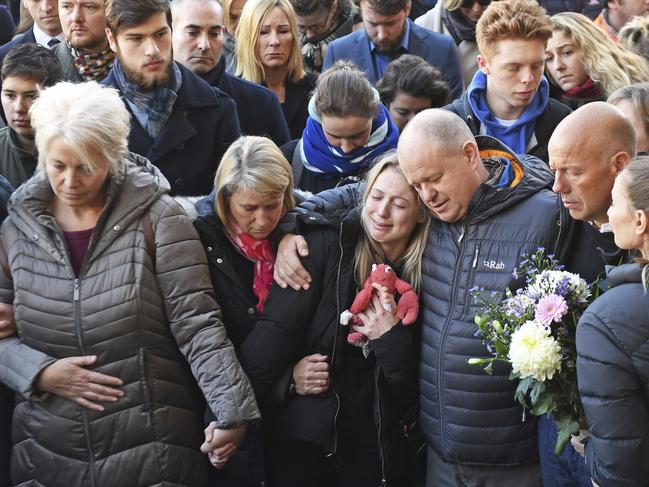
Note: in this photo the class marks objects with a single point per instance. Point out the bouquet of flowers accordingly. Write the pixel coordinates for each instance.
(533, 330)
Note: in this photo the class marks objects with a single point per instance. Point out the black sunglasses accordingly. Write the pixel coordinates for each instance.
(469, 3)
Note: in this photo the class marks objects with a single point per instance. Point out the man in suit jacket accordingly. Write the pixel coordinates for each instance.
(198, 42)
(179, 122)
(388, 34)
(46, 30)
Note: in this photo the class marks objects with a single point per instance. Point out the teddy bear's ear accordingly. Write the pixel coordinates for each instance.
(373, 267)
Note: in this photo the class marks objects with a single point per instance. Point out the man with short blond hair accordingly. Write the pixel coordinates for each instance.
(508, 97)
(85, 55)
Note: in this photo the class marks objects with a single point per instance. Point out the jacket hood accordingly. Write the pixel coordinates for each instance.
(529, 176)
(128, 195)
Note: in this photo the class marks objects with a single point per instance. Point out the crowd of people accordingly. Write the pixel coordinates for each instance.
(196, 194)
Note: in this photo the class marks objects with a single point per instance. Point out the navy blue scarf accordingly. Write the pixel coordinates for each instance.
(516, 136)
(323, 158)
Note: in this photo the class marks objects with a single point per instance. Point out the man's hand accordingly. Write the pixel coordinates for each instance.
(220, 444)
(7, 321)
(68, 378)
(311, 375)
(288, 268)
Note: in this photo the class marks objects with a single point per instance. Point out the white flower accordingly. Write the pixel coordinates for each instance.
(566, 284)
(533, 352)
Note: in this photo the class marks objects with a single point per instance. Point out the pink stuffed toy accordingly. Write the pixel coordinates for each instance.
(407, 307)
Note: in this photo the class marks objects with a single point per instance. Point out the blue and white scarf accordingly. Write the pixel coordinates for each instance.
(321, 157)
(152, 108)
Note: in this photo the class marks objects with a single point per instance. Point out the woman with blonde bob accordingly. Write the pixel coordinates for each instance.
(335, 420)
(612, 341)
(585, 64)
(253, 190)
(268, 52)
(117, 326)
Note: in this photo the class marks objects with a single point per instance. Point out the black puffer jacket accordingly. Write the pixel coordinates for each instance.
(545, 124)
(299, 323)
(613, 376)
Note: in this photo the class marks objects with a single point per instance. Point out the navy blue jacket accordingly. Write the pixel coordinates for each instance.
(613, 377)
(7, 25)
(258, 108)
(202, 125)
(438, 49)
(25, 37)
(6, 395)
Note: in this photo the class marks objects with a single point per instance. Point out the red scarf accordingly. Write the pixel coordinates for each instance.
(589, 89)
(261, 253)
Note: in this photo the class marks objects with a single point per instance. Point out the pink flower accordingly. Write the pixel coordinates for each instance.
(549, 309)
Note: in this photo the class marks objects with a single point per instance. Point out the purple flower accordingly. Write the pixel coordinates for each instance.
(550, 308)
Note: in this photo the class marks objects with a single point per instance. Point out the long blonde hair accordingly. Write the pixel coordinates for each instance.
(249, 66)
(368, 251)
(605, 61)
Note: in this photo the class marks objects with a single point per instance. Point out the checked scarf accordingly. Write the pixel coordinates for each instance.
(151, 108)
(93, 67)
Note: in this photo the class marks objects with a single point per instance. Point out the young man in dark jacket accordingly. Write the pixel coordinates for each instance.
(27, 69)
(509, 96)
(198, 43)
(179, 122)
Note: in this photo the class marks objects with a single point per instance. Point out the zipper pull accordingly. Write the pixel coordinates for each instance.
(461, 237)
(475, 257)
(76, 289)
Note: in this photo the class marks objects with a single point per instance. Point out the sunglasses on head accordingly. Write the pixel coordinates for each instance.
(470, 3)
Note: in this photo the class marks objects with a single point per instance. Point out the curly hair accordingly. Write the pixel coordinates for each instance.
(605, 61)
(511, 19)
(635, 36)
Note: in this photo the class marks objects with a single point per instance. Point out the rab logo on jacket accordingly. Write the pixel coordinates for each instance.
(494, 265)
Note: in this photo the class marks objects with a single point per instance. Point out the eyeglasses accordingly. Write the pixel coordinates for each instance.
(470, 3)
(313, 30)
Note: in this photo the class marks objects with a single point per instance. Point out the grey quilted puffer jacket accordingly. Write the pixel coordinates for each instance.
(155, 326)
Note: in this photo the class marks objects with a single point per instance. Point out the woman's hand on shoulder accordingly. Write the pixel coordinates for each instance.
(68, 378)
(7, 321)
(311, 375)
(379, 317)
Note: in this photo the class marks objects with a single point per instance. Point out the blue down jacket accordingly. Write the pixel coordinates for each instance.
(613, 377)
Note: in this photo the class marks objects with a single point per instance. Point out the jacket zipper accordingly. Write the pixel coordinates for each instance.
(472, 272)
(379, 425)
(332, 453)
(86, 425)
(445, 331)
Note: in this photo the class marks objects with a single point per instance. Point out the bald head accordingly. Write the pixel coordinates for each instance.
(597, 127)
(197, 33)
(439, 157)
(588, 149)
(440, 128)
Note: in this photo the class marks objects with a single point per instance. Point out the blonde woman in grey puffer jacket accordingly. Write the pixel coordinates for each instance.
(118, 332)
